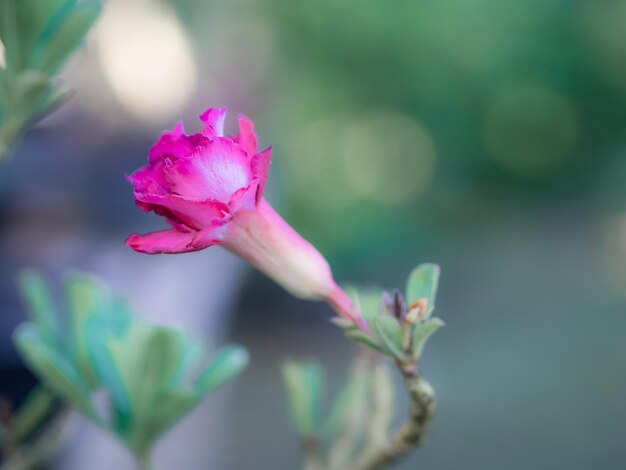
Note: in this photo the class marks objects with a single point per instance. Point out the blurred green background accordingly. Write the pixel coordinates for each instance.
(486, 135)
(489, 136)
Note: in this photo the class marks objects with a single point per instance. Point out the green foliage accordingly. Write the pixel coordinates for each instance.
(422, 283)
(304, 382)
(398, 328)
(29, 436)
(359, 416)
(152, 376)
(388, 333)
(39, 36)
(28, 418)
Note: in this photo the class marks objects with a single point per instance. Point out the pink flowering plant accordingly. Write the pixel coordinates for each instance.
(136, 380)
(210, 189)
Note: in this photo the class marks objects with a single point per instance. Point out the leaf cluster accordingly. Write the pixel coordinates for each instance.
(398, 326)
(150, 376)
(38, 37)
(358, 419)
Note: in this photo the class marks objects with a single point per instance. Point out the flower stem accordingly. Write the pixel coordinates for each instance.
(143, 459)
(413, 431)
(312, 457)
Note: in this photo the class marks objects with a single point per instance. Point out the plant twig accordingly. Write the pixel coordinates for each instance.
(413, 431)
(143, 459)
(312, 457)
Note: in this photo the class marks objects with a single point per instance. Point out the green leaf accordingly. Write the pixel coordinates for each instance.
(84, 301)
(229, 362)
(9, 31)
(32, 17)
(65, 31)
(390, 334)
(352, 396)
(51, 101)
(40, 303)
(421, 332)
(99, 336)
(423, 282)
(173, 405)
(361, 337)
(352, 418)
(29, 86)
(193, 352)
(54, 369)
(30, 415)
(146, 360)
(371, 303)
(304, 383)
(341, 322)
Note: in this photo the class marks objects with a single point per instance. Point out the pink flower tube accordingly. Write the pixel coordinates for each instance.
(210, 189)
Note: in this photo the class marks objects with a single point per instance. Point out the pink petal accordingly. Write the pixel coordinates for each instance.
(246, 138)
(170, 143)
(213, 119)
(260, 168)
(180, 211)
(216, 171)
(245, 198)
(172, 241)
(149, 179)
(166, 241)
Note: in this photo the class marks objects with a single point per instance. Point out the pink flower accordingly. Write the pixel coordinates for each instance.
(210, 189)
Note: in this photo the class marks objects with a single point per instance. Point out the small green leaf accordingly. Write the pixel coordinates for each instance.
(65, 31)
(423, 282)
(108, 376)
(351, 397)
(343, 323)
(30, 415)
(32, 18)
(304, 383)
(350, 417)
(84, 301)
(390, 334)
(371, 303)
(173, 405)
(229, 362)
(30, 85)
(361, 337)
(421, 332)
(40, 303)
(147, 359)
(50, 101)
(54, 369)
(193, 352)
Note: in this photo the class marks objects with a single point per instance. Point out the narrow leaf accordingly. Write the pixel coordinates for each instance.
(84, 301)
(303, 382)
(229, 362)
(53, 369)
(365, 339)
(423, 282)
(30, 415)
(390, 334)
(67, 31)
(40, 303)
(173, 405)
(421, 333)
